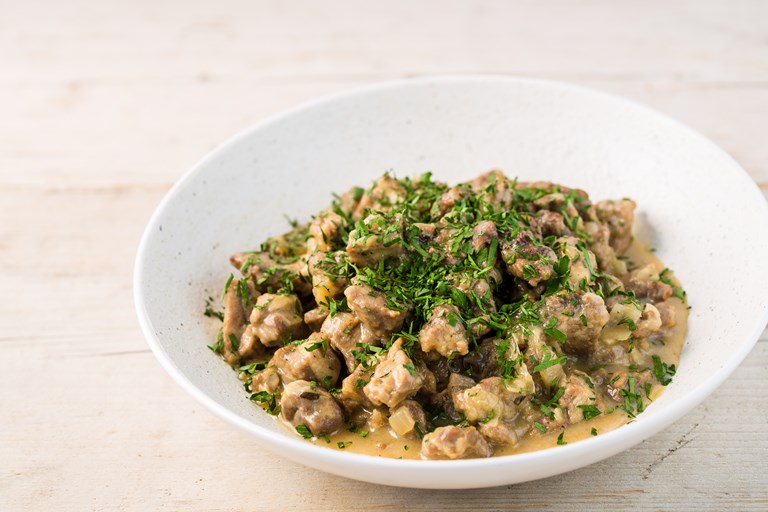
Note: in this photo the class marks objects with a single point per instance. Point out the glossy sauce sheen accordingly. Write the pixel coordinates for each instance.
(384, 443)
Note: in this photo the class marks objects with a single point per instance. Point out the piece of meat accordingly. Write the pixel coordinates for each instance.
(304, 404)
(645, 282)
(234, 323)
(453, 442)
(266, 380)
(649, 322)
(483, 233)
(278, 319)
(268, 275)
(547, 223)
(370, 307)
(394, 379)
(490, 398)
(380, 239)
(325, 230)
(352, 396)
(581, 270)
(444, 399)
(499, 432)
(495, 188)
(580, 317)
(577, 392)
(536, 349)
(527, 260)
(450, 197)
(345, 331)
(444, 332)
(315, 317)
(667, 314)
(327, 284)
(619, 216)
(384, 193)
(250, 346)
(482, 362)
(307, 361)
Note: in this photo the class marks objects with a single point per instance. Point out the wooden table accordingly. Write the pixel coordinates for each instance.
(103, 105)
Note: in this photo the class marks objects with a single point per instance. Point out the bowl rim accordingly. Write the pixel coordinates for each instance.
(631, 433)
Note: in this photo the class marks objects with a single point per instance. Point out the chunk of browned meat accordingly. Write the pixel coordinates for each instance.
(304, 404)
(580, 317)
(394, 379)
(234, 324)
(444, 333)
(370, 306)
(268, 275)
(619, 216)
(547, 223)
(450, 197)
(645, 282)
(384, 193)
(325, 230)
(277, 319)
(649, 323)
(345, 331)
(380, 239)
(483, 234)
(266, 380)
(577, 393)
(453, 442)
(494, 187)
(352, 395)
(250, 346)
(488, 399)
(482, 362)
(327, 283)
(582, 264)
(667, 313)
(308, 360)
(527, 260)
(444, 399)
(315, 317)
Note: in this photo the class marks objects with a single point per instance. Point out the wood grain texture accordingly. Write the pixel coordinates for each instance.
(105, 104)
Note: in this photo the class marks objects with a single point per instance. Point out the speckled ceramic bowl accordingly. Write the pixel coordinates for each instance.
(710, 225)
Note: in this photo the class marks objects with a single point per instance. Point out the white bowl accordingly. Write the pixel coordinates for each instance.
(710, 222)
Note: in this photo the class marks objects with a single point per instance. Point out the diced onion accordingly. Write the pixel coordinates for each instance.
(401, 421)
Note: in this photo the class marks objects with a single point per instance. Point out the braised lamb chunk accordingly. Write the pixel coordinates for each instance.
(488, 399)
(577, 395)
(394, 379)
(352, 395)
(309, 360)
(384, 193)
(270, 276)
(548, 223)
(452, 442)
(266, 380)
(370, 306)
(250, 346)
(619, 216)
(278, 319)
(494, 187)
(345, 331)
(327, 283)
(378, 238)
(315, 317)
(646, 284)
(580, 317)
(312, 406)
(482, 362)
(444, 332)
(326, 229)
(582, 265)
(234, 324)
(443, 401)
(527, 260)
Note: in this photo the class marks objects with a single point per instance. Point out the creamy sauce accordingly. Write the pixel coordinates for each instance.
(382, 442)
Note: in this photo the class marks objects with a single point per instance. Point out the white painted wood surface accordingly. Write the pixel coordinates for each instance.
(104, 104)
